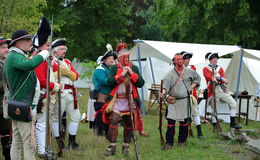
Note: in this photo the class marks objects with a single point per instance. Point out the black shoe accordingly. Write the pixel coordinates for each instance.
(110, 150)
(73, 144)
(200, 135)
(49, 156)
(233, 123)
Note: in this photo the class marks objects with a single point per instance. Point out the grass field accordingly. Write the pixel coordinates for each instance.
(213, 147)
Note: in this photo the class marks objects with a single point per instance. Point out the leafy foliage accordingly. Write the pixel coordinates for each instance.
(20, 14)
(212, 21)
(91, 66)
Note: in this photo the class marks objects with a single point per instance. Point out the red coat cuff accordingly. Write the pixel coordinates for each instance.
(117, 76)
(51, 86)
(134, 77)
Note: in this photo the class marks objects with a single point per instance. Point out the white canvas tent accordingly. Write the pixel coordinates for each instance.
(80, 83)
(164, 51)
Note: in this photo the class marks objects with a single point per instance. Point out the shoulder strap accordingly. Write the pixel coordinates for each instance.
(11, 90)
(179, 78)
(182, 80)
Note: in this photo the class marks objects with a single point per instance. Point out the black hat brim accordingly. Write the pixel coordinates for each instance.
(187, 56)
(108, 54)
(5, 41)
(20, 38)
(60, 42)
(213, 56)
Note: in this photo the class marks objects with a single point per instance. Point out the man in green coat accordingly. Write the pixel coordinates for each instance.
(100, 81)
(21, 79)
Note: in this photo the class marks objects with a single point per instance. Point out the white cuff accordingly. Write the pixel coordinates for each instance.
(56, 87)
(45, 54)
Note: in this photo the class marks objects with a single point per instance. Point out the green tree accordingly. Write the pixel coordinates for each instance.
(89, 25)
(213, 21)
(20, 14)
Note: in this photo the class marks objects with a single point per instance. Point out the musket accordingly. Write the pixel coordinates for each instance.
(48, 152)
(214, 102)
(130, 99)
(189, 116)
(81, 93)
(61, 129)
(160, 119)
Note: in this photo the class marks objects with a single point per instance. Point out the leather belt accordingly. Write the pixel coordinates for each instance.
(121, 96)
(181, 98)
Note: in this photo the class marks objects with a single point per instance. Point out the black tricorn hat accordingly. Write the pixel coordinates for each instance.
(211, 55)
(59, 42)
(18, 35)
(109, 52)
(186, 55)
(4, 40)
(44, 31)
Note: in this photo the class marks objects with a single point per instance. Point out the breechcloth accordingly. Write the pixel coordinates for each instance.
(113, 127)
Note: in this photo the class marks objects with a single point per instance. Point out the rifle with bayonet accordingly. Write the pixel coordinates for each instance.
(48, 152)
(214, 102)
(160, 119)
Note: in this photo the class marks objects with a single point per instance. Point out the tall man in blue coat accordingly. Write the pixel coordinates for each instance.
(101, 86)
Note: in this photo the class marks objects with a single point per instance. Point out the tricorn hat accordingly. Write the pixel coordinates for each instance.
(43, 33)
(109, 52)
(59, 42)
(18, 35)
(4, 40)
(211, 55)
(186, 55)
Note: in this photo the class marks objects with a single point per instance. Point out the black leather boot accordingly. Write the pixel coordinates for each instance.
(233, 123)
(6, 146)
(200, 135)
(73, 144)
(110, 150)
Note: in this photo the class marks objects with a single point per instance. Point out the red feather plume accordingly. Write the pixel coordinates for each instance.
(120, 46)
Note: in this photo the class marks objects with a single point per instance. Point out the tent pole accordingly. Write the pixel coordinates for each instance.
(140, 68)
(151, 66)
(239, 72)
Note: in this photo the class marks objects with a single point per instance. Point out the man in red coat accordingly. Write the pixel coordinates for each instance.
(42, 42)
(68, 93)
(195, 110)
(124, 78)
(220, 91)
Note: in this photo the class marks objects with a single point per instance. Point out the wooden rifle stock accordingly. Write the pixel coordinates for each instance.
(160, 118)
(189, 117)
(61, 130)
(214, 102)
(48, 152)
(130, 99)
